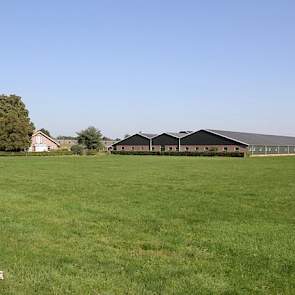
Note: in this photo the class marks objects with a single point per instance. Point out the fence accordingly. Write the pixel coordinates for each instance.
(271, 150)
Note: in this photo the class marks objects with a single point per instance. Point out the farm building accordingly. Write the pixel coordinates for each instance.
(108, 143)
(208, 140)
(260, 144)
(136, 142)
(42, 142)
(67, 143)
(167, 141)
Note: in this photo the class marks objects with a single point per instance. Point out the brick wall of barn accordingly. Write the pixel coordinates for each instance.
(219, 148)
(168, 148)
(137, 148)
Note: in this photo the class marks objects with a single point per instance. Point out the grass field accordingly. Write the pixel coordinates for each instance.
(147, 225)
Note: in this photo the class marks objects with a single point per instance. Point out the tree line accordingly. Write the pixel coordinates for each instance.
(16, 128)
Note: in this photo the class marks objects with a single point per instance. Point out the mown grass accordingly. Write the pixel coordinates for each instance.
(147, 225)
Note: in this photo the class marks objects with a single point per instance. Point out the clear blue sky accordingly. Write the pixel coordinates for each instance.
(156, 65)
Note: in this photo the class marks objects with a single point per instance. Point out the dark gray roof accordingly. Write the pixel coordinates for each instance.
(148, 135)
(256, 139)
(177, 134)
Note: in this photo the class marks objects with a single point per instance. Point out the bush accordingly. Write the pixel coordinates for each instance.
(91, 152)
(77, 149)
(213, 149)
(51, 153)
(192, 154)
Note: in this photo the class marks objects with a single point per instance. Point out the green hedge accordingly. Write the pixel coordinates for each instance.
(53, 153)
(192, 154)
(91, 152)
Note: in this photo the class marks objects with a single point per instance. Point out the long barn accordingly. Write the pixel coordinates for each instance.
(168, 141)
(136, 142)
(206, 140)
(260, 144)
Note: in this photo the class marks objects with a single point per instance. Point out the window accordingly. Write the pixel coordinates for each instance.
(237, 149)
(122, 148)
(153, 148)
(170, 148)
(48, 148)
(132, 148)
(225, 148)
(38, 139)
(187, 148)
(197, 148)
(206, 148)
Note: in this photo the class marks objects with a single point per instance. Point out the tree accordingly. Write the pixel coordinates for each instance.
(16, 128)
(90, 138)
(45, 131)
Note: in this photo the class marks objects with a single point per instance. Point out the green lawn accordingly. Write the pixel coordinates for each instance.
(147, 225)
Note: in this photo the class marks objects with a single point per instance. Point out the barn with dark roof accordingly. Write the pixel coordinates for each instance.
(136, 142)
(209, 140)
(168, 141)
(260, 144)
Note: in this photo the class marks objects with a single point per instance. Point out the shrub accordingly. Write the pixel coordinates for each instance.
(77, 149)
(192, 154)
(91, 152)
(51, 153)
(213, 149)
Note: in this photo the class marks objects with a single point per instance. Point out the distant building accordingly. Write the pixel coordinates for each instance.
(43, 143)
(207, 140)
(66, 144)
(108, 143)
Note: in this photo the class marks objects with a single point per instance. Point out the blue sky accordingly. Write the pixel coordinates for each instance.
(152, 66)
